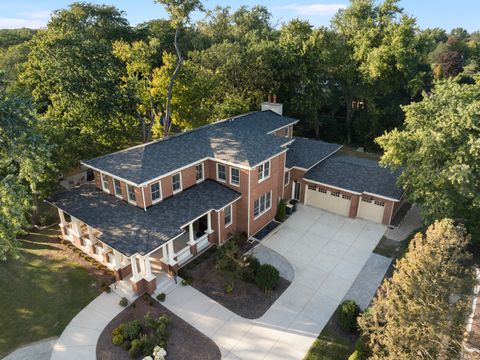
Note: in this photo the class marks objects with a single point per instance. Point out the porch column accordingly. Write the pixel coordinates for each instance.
(136, 276)
(171, 254)
(76, 227)
(117, 259)
(209, 223)
(90, 234)
(191, 242)
(148, 269)
(164, 253)
(61, 215)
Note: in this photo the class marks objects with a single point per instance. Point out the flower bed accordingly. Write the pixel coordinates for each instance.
(146, 324)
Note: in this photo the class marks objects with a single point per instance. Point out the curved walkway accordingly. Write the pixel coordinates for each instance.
(268, 256)
(39, 350)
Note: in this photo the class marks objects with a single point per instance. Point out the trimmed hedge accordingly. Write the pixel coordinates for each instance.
(267, 277)
(347, 314)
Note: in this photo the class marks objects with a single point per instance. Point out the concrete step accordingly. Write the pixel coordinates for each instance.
(166, 284)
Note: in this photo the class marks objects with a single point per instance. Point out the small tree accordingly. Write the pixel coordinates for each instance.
(420, 312)
(281, 211)
(267, 277)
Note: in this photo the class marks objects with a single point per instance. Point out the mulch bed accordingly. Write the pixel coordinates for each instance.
(185, 342)
(246, 300)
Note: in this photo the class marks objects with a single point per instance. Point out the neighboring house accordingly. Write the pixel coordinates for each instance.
(154, 207)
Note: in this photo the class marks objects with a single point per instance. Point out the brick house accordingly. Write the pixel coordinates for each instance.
(154, 207)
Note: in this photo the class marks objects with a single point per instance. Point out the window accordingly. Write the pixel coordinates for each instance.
(221, 173)
(228, 215)
(336, 194)
(176, 183)
(322, 190)
(368, 200)
(264, 170)
(287, 132)
(286, 179)
(105, 183)
(156, 192)
(199, 172)
(346, 197)
(379, 203)
(131, 194)
(234, 176)
(118, 188)
(262, 204)
(312, 187)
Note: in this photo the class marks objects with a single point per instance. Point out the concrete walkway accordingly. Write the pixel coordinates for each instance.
(412, 222)
(79, 339)
(39, 350)
(327, 252)
(269, 256)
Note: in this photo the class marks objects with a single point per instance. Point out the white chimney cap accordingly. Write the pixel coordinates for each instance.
(274, 106)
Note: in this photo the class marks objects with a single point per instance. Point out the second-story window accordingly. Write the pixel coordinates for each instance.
(286, 180)
(131, 194)
(199, 172)
(117, 185)
(105, 183)
(156, 192)
(234, 176)
(176, 183)
(221, 173)
(264, 170)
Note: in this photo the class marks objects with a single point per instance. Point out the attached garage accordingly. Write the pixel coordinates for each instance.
(332, 201)
(370, 209)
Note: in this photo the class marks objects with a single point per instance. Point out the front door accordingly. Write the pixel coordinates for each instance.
(296, 190)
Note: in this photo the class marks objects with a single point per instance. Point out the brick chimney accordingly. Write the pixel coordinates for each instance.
(271, 104)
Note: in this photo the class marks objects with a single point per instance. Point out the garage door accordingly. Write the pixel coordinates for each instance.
(324, 199)
(370, 209)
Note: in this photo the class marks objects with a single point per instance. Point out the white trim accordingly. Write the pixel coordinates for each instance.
(382, 197)
(266, 209)
(128, 195)
(263, 171)
(160, 190)
(203, 172)
(280, 128)
(231, 177)
(225, 172)
(288, 143)
(102, 180)
(143, 198)
(231, 215)
(219, 229)
(120, 196)
(248, 203)
(334, 187)
(270, 158)
(181, 184)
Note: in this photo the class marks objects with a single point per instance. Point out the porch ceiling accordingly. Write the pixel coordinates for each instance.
(131, 230)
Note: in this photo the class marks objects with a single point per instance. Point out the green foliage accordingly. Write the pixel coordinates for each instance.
(147, 343)
(361, 352)
(249, 268)
(161, 297)
(281, 211)
(227, 256)
(123, 302)
(117, 340)
(420, 311)
(438, 151)
(347, 314)
(118, 330)
(267, 277)
(135, 348)
(229, 288)
(132, 329)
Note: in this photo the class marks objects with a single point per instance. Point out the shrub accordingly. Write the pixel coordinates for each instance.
(361, 352)
(227, 256)
(281, 211)
(229, 288)
(187, 281)
(117, 340)
(118, 330)
(123, 302)
(134, 348)
(161, 297)
(126, 345)
(132, 329)
(249, 268)
(147, 343)
(347, 314)
(267, 277)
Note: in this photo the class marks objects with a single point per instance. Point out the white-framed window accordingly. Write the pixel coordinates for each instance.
(264, 170)
(287, 132)
(346, 197)
(117, 186)
(199, 172)
(367, 200)
(156, 192)
(221, 173)
(227, 213)
(336, 194)
(176, 182)
(105, 183)
(262, 204)
(286, 179)
(312, 187)
(322, 190)
(379, 203)
(131, 194)
(234, 176)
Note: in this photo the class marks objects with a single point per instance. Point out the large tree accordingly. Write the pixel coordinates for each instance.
(74, 78)
(439, 151)
(26, 168)
(420, 312)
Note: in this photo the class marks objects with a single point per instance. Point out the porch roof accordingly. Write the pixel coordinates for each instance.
(131, 230)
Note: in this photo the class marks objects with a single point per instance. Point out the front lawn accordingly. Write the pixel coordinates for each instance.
(43, 290)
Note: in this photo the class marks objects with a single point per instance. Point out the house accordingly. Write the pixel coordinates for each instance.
(154, 207)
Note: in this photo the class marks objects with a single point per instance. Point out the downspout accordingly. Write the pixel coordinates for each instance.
(143, 197)
(248, 207)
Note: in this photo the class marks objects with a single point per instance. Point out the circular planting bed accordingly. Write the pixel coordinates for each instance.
(182, 340)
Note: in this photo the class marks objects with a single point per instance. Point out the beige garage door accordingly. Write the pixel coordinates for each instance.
(370, 209)
(332, 201)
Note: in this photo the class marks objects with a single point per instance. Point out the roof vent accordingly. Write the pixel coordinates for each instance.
(272, 105)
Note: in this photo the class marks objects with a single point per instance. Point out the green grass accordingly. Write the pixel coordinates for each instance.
(40, 292)
(330, 346)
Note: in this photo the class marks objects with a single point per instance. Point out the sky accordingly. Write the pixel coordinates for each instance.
(445, 14)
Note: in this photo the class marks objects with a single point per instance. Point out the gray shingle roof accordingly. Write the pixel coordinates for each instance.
(304, 153)
(356, 174)
(242, 140)
(129, 229)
